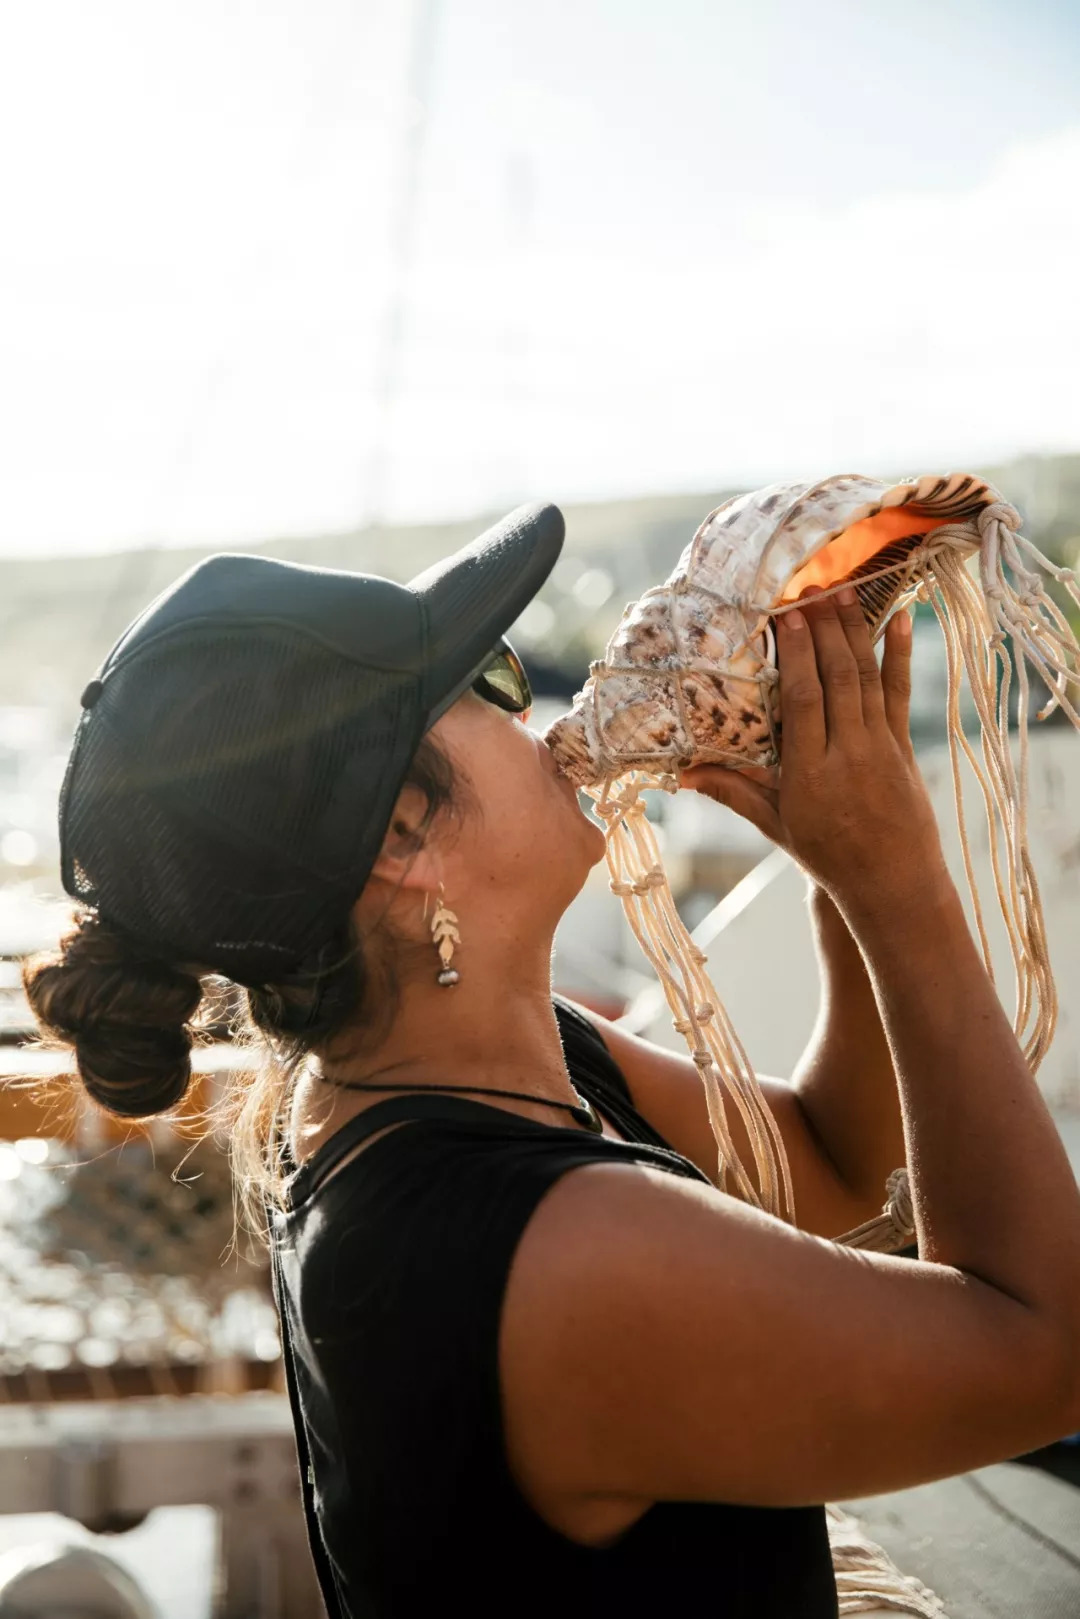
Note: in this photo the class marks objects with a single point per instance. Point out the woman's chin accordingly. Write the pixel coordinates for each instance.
(597, 832)
(594, 831)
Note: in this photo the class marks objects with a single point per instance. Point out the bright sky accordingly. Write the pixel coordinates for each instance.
(657, 246)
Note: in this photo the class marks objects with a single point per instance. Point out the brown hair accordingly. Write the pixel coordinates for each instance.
(132, 1017)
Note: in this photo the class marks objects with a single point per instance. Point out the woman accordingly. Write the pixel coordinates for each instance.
(517, 1389)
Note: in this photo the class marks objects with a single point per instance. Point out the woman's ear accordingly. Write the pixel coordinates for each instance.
(405, 859)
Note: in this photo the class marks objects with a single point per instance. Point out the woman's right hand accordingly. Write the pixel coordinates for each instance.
(848, 803)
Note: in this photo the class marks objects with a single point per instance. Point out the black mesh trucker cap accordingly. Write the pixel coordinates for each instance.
(239, 754)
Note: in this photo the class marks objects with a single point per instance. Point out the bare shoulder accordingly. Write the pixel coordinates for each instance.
(661, 1341)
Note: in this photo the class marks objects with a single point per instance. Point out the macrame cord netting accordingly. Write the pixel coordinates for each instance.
(979, 616)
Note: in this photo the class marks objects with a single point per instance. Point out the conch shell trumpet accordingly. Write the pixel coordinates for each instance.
(689, 677)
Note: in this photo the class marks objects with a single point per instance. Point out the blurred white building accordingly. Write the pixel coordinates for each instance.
(32, 758)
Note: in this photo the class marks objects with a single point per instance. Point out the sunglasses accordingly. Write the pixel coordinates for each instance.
(503, 681)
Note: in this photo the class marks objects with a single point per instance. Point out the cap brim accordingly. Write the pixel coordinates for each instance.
(473, 597)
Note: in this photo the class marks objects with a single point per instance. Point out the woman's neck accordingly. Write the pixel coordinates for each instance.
(508, 1041)
(495, 1034)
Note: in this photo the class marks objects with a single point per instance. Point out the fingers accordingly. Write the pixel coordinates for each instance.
(896, 677)
(801, 707)
(841, 683)
(857, 631)
(764, 775)
(754, 803)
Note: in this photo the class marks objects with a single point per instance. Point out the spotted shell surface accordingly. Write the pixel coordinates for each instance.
(689, 675)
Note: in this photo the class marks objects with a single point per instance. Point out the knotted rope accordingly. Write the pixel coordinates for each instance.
(637, 876)
(979, 619)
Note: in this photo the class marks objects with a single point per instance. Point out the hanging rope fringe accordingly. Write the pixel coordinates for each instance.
(638, 877)
(979, 617)
(1009, 603)
(978, 620)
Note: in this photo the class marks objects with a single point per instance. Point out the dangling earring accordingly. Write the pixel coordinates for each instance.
(444, 936)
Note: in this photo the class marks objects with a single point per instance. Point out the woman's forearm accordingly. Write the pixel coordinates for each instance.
(845, 1080)
(992, 1188)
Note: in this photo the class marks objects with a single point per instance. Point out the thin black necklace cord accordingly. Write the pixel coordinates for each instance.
(585, 1114)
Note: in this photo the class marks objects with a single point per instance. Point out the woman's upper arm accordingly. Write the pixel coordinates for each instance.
(661, 1341)
(668, 1092)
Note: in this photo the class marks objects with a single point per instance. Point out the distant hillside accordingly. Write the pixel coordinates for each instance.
(58, 618)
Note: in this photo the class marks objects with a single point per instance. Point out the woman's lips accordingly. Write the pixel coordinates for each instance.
(549, 758)
(552, 767)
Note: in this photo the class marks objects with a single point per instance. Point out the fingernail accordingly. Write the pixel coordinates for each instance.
(794, 619)
(846, 596)
(904, 626)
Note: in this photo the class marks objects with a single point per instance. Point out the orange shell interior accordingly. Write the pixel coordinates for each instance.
(854, 547)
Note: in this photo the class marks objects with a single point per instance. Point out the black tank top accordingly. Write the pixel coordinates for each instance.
(389, 1281)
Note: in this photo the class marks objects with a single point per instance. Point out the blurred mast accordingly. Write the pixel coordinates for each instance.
(519, 198)
(391, 339)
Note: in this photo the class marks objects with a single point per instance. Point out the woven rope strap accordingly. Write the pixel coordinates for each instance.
(978, 620)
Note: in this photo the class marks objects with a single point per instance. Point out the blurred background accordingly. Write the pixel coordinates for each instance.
(345, 280)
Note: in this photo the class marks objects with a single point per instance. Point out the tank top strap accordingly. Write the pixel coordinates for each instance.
(394, 1110)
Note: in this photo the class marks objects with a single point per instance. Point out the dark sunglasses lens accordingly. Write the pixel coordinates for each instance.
(505, 683)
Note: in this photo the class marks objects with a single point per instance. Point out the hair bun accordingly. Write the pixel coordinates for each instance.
(125, 1013)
